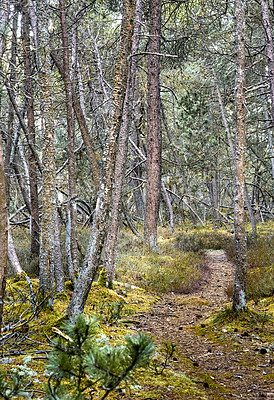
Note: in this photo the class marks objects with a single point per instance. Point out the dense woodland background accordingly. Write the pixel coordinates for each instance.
(118, 114)
(134, 116)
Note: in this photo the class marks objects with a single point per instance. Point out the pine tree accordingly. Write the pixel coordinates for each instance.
(81, 360)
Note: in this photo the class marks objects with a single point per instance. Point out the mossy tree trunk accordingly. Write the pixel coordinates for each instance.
(101, 215)
(154, 137)
(239, 293)
(48, 224)
(113, 231)
(3, 233)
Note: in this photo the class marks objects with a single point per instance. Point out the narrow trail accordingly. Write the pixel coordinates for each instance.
(235, 366)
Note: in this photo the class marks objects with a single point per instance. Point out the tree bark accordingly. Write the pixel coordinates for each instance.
(48, 223)
(113, 231)
(34, 215)
(153, 189)
(270, 61)
(101, 216)
(3, 233)
(13, 259)
(239, 293)
(71, 247)
(47, 251)
(59, 275)
(4, 16)
(232, 150)
(81, 122)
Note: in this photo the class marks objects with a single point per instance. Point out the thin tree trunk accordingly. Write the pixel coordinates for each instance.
(81, 122)
(169, 206)
(13, 259)
(232, 150)
(270, 60)
(3, 233)
(71, 248)
(59, 275)
(10, 133)
(239, 293)
(47, 251)
(101, 216)
(153, 189)
(34, 216)
(113, 231)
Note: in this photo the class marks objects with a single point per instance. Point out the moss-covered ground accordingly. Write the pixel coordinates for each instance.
(178, 295)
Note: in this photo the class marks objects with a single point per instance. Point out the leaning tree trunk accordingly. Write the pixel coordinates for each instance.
(101, 216)
(113, 231)
(153, 189)
(3, 233)
(239, 293)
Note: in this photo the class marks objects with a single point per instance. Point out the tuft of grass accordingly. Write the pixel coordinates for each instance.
(249, 317)
(178, 272)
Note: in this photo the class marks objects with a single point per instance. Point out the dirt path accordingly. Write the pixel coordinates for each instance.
(232, 368)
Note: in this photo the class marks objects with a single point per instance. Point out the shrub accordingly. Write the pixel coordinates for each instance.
(81, 362)
(203, 240)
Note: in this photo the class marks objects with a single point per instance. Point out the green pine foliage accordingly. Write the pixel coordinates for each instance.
(82, 360)
(83, 363)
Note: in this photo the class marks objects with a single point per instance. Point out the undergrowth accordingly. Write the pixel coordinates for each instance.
(169, 269)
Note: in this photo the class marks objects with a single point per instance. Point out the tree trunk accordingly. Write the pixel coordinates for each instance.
(239, 293)
(13, 259)
(233, 152)
(34, 216)
(270, 60)
(59, 275)
(101, 216)
(153, 189)
(46, 273)
(48, 223)
(3, 233)
(81, 122)
(113, 231)
(71, 248)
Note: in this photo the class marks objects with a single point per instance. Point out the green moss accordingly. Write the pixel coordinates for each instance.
(168, 385)
(61, 296)
(209, 381)
(102, 280)
(68, 286)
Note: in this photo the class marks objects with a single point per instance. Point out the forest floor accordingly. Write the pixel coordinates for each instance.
(226, 362)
